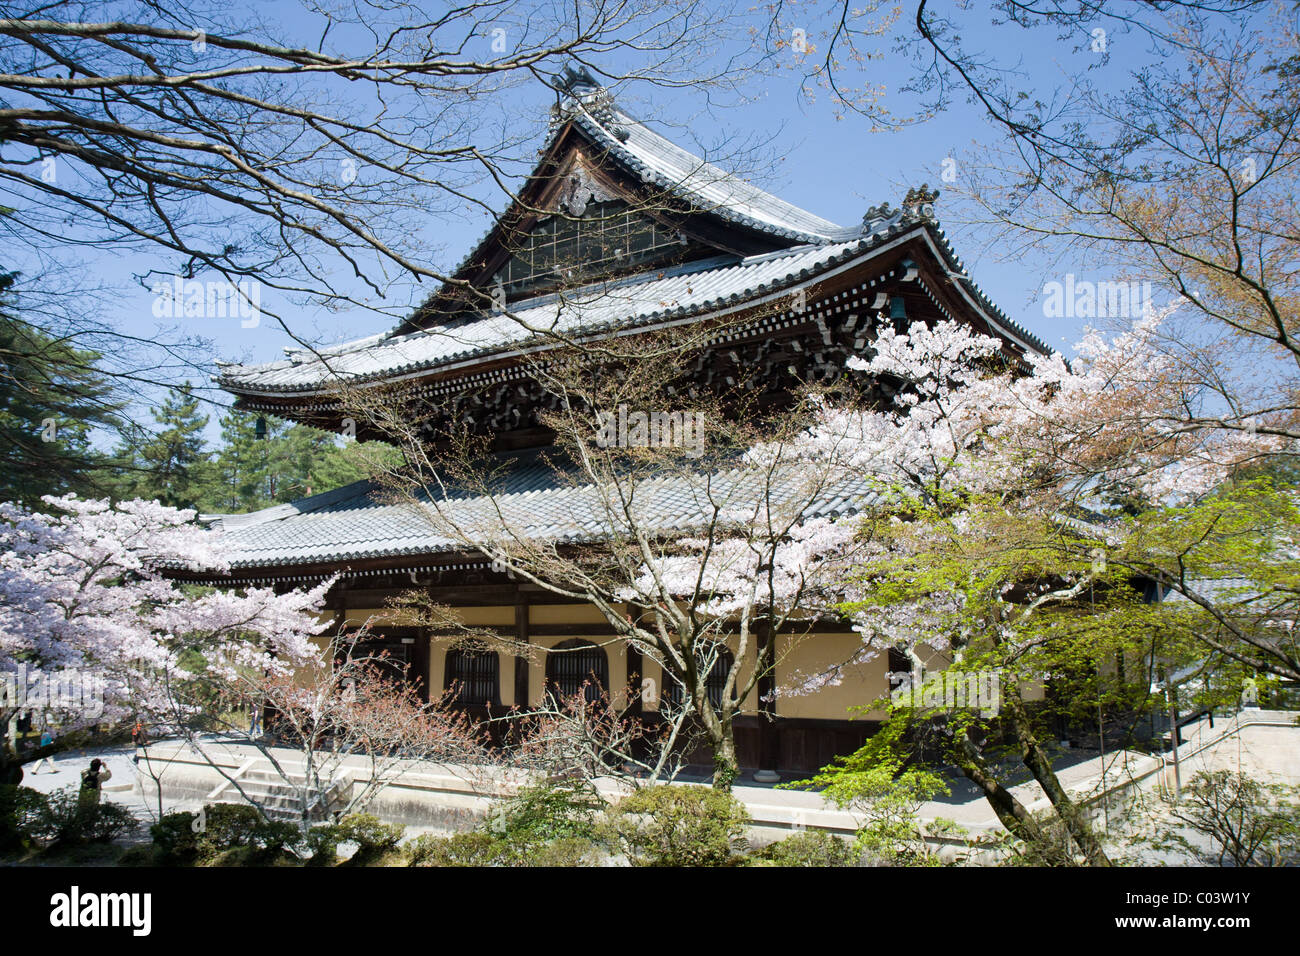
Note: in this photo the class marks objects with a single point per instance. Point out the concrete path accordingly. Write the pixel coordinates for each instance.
(1265, 744)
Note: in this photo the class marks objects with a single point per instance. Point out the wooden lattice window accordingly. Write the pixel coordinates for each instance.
(714, 682)
(472, 672)
(607, 236)
(577, 665)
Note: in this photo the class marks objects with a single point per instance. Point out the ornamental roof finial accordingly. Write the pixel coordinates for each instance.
(577, 87)
(919, 202)
(577, 82)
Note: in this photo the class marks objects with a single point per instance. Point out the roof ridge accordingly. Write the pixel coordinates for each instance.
(605, 121)
(288, 509)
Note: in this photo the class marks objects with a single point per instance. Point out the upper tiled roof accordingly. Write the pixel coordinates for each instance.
(696, 288)
(664, 164)
(535, 499)
(635, 300)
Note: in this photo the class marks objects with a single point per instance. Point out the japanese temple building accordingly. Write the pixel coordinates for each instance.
(683, 241)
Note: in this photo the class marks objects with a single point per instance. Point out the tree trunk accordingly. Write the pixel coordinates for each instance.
(1011, 812)
(1040, 765)
(725, 767)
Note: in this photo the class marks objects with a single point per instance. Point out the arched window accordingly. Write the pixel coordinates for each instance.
(472, 670)
(572, 664)
(714, 682)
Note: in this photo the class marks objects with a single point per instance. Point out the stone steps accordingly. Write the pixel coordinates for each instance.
(279, 795)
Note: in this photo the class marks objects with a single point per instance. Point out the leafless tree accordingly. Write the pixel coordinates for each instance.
(312, 158)
(688, 542)
(352, 725)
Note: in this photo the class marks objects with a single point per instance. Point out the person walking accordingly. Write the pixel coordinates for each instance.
(139, 739)
(47, 740)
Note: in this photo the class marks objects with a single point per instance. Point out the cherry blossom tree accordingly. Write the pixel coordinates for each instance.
(1017, 502)
(86, 603)
(339, 728)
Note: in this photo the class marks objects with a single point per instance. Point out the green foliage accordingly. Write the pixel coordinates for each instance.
(247, 471)
(460, 849)
(809, 848)
(168, 463)
(144, 856)
(546, 811)
(275, 836)
(373, 837)
(887, 790)
(552, 823)
(229, 826)
(563, 852)
(288, 462)
(175, 838)
(64, 819)
(680, 826)
(52, 398)
(252, 856)
(323, 844)
(21, 808)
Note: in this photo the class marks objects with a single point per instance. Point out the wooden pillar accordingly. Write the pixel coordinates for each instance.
(769, 742)
(522, 664)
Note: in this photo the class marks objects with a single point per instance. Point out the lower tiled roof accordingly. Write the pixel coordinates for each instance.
(537, 500)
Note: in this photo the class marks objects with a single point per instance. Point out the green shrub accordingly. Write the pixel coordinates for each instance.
(226, 826)
(143, 856)
(460, 849)
(323, 844)
(565, 851)
(175, 837)
(680, 826)
(253, 856)
(809, 848)
(552, 810)
(229, 826)
(21, 809)
(63, 820)
(373, 837)
(277, 835)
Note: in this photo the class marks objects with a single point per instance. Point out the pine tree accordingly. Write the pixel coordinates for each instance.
(277, 462)
(52, 399)
(170, 464)
(238, 468)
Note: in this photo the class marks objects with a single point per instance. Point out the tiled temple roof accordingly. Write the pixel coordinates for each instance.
(536, 500)
(696, 288)
(662, 163)
(354, 524)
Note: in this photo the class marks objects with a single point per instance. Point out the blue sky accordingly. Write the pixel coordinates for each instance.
(835, 167)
